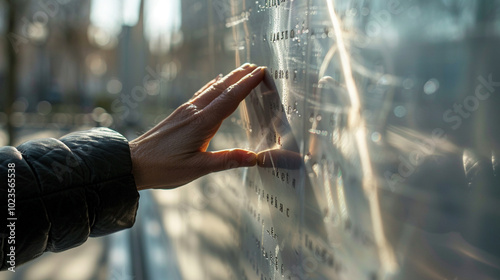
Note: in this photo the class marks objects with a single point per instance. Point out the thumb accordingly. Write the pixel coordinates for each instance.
(228, 159)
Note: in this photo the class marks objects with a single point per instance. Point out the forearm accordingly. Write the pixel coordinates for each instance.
(67, 190)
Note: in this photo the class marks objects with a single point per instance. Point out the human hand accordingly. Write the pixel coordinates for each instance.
(173, 153)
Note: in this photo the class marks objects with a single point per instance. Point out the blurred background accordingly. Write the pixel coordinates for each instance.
(68, 65)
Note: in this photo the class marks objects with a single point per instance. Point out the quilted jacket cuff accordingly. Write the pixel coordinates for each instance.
(108, 157)
(67, 190)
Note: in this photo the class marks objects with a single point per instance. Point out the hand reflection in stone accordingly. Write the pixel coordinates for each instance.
(279, 158)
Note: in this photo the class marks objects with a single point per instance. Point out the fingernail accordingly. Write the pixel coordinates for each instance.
(219, 77)
(258, 70)
(245, 66)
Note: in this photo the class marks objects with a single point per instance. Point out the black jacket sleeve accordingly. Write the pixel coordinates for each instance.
(64, 191)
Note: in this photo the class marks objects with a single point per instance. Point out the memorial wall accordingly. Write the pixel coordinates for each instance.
(377, 128)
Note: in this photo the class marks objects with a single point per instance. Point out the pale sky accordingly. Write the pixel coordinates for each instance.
(162, 17)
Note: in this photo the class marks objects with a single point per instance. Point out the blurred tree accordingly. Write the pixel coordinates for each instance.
(67, 40)
(75, 18)
(11, 80)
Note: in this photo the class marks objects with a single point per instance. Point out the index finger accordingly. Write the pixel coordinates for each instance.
(210, 93)
(227, 102)
(206, 86)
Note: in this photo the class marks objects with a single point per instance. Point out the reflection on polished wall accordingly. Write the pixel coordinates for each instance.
(377, 127)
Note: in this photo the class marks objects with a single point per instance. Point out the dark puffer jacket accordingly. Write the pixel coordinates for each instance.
(65, 191)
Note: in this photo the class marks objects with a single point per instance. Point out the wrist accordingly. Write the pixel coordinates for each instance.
(136, 165)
